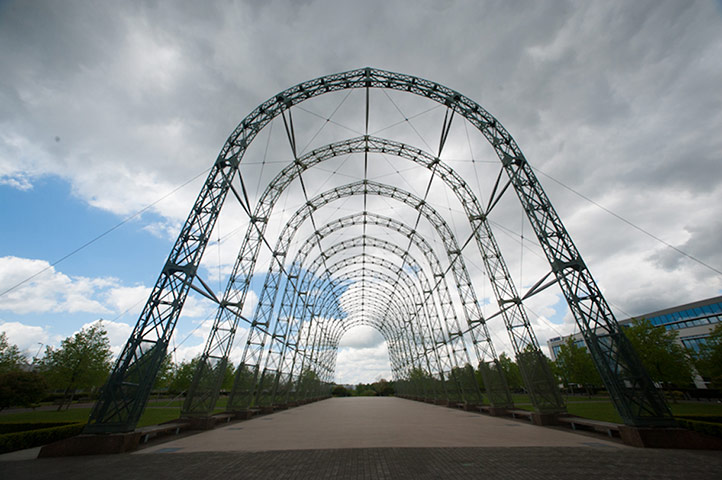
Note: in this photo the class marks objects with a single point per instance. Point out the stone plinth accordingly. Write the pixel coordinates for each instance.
(93, 444)
(668, 438)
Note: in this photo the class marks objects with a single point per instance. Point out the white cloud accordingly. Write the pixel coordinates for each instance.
(123, 299)
(361, 337)
(354, 365)
(49, 291)
(31, 340)
(618, 100)
(118, 333)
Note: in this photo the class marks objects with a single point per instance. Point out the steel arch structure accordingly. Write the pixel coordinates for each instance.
(536, 374)
(445, 315)
(427, 310)
(475, 321)
(126, 391)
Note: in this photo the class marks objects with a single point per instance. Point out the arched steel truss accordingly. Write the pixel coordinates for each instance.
(536, 373)
(264, 313)
(431, 337)
(440, 316)
(126, 392)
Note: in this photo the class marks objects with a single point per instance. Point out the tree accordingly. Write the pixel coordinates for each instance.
(228, 377)
(574, 364)
(182, 375)
(364, 389)
(82, 362)
(18, 388)
(165, 373)
(383, 388)
(10, 357)
(340, 391)
(309, 383)
(511, 372)
(665, 360)
(709, 360)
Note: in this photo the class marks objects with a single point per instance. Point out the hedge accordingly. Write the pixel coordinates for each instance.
(707, 424)
(12, 427)
(35, 434)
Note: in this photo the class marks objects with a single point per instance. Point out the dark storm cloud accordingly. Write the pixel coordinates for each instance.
(619, 100)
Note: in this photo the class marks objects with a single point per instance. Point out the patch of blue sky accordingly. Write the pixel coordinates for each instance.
(560, 310)
(48, 222)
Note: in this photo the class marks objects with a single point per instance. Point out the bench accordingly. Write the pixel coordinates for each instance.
(597, 425)
(165, 428)
(221, 417)
(521, 414)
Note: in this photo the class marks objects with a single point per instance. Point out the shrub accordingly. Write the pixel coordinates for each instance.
(340, 391)
(12, 427)
(21, 389)
(707, 424)
(35, 437)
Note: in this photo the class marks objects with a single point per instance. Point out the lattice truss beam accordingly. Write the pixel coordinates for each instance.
(434, 329)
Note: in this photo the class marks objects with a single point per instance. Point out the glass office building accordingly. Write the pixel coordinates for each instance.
(693, 321)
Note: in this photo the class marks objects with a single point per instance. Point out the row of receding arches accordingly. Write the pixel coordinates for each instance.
(309, 300)
(428, 345)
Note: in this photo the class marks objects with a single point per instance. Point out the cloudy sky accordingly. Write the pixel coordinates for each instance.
(111, 114)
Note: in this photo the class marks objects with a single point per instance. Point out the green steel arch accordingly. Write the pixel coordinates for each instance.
(125, 394)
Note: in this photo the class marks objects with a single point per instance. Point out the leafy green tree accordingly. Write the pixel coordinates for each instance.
(574, 364)
(383, 388)
(228, 376)
(18, 388)
(418, 381)
(340, 391)
(511, 372)
(666, 361)
(181, 375)
(363, 387)
(709, 360)
(165, 373)
(10, 357)
(82, 362)
(309, 383)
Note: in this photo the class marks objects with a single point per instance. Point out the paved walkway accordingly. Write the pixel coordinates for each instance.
(370, 422)
(380, 438)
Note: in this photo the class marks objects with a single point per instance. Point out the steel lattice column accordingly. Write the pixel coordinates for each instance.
(123, 397)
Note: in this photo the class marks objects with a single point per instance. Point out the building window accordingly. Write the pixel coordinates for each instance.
(694, 344)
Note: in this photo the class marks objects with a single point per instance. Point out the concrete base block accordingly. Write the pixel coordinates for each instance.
(266, 410)
(443, 403)
(280, 406)
(668, 438)
(94, 444)
(544, 418)
(243, 414)
(201, 423)
(498, 411)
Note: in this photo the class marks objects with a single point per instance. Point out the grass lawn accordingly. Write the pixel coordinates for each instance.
(596, 411)
(696, 408)
(178, 402)
(151, 416)
(602, 409)
(522, 398)
(597, 408)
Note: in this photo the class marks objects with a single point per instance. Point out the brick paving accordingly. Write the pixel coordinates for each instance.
(379, 439)
(489, 463)
(372, 422)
